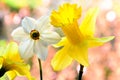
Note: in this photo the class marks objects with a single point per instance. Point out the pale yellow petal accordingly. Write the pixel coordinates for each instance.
(87, 26)
(99, 41)
(61, 60)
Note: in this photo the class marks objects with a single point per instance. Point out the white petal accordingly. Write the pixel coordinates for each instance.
(19, 35)
(50, 37)
(26, 49)
(28, 24)
(43, 23)
(41, 50)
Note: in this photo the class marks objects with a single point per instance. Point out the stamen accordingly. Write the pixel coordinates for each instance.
(34, 34)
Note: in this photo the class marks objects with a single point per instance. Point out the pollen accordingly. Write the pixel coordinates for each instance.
(34, 34)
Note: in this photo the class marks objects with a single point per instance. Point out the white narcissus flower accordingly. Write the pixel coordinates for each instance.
(34, 37)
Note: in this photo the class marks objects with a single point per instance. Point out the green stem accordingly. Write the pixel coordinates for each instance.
(80, 72)
(40, 67)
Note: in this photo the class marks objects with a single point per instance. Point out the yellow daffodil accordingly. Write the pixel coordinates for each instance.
(11, 65)
(78, 38)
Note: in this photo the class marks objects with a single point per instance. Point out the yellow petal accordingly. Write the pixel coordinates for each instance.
(99, 41)
(12, 53)
(87, 26)
(79, 53)
(61, 60)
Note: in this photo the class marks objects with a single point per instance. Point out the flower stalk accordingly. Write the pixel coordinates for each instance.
(80, 72)
(40, 67)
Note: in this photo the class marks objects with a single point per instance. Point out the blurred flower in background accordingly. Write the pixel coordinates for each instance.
(104, 64)
(11, 65)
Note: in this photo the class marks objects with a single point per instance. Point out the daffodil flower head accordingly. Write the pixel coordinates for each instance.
(78, 37)
(11, 64)
(34, 37)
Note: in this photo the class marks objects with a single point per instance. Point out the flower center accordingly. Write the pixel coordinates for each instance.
(34, 34)
(2, 71)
